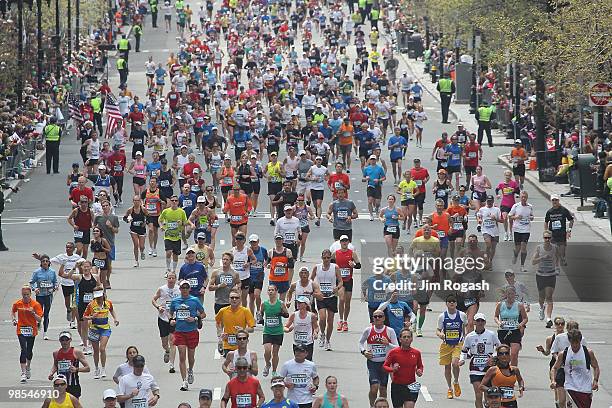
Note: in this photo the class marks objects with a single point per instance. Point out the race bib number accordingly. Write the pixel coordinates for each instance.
(227, 279)
(231, 340)
(63, 366)
(78, 234)
(303, 222)
(272, 321)
(345, 272)
(509, 324)
(524, 221)
(441, 193)
(392, 229)
(472, 155)
(193, 282)
(151, 207)
(240, 145)
(45, 284)
(455, 157)
(469, 302)
(458, 226)
(164, 183)
(342, 214)
(300, 337)
(93, 335)
(100, 263)
(140, 172)
(227, 180)
(419, 182)
(556, 225)
(183, 314)
(26, 331)
(243, 400)
(118, 167)
(275, 179)
(187, 203)
(489, 223)
(380, 296)
(480, 362)
(299, 380)
(451, 335)
(379, 350)
(236, 218)
(507, 392)
(87, 297)
(168, 302)
(279, 271)
(289, 237)
(441, 234)
(414, 387)
(172, 225)
(326, 288)
(140, 403)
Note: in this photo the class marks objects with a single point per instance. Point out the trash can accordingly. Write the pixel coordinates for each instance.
(416, 48)
(548, 161)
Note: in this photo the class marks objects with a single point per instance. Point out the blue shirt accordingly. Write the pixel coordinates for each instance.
(184, 307)
(377, 293)
(454, 159)
(207, 132)
(188, 202)
(416, 90)
(366, 139)
(335, 125)
(374, 172)
(45, 280)
(397, 152)
(196, 274)
(397, 314)
(241, 137)
(326, 131)
(286, 403)
(160, 74)
(256, 269)
(154, 167)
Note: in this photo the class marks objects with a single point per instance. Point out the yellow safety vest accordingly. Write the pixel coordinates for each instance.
(609, 183)
(374, 14)
(446, 85)
(52, 133)
(362, 4)
(124, 44)
(484, 113)
(96, 104)
(121, 63)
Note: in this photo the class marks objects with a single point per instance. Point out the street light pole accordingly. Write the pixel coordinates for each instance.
(40, 52)
(58, 56)
(69, 29)
(19, 87)
(77, 36)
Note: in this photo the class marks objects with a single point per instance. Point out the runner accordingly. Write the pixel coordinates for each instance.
(331, 398)
(398, 314)
(547, 259)
(257, 273)
(458, 226)
(273, 312)
(317, 176)
(69, 362)
(479, 184)
(511, 318)
(97, 313)
(304, 324)
(442, 187)
(522, 215)
(454, 153)
(279, 400)
(559, 391)
(244, 390)
(161, 302)
(508, 189)
(44, 283)
(243, 258)
(223, 281)
(488, 219)
(301, 377)
(391, 218)
(408, 191)
(420, 175)
(154, 202)
(229, 365)
(304, 214)
(468, 301)
(289, 227)
(64, 398)
(138, 388)
(327, 276)
(282, 263)
(341, 212)
(195, 273)
(26, 315)
(273, 172)
(237, 208)
(232, 318)
(346, 260)
(505, 376)
(404, 387)
(374, 175)
(518, 156)
(136, 216)
(338, 179)
(556, 220)
(186, 311)
(423, 247)
(81, 220)
(173, 221)
(441, 223)
(452, 328)
(472, 155)
(479, 346)
(397, 145)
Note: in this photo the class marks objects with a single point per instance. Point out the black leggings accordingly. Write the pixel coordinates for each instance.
(27, 345)
(119, 193)
(45, 302)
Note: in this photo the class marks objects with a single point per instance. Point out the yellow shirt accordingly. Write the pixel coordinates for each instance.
(242, 317)
(407, 188)
(430, 247)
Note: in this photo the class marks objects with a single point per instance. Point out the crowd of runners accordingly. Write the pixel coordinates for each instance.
(237, 112)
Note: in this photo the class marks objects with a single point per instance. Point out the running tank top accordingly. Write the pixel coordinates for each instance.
(509, 316)
(389, 214)
(328, 404)
(165, 297)
(64, 360)
(83, 220)
(304, 290)
(66, 404)
(342, 260)
(326, 279)
(247, 356)
(139, 170)
(302, 329)
(94, 150)
(103, 184)
(441, 220)
(215, 162)
(274, 172)
(478, 182)
(292, 166)
(227, 177)
(86, 288)
(138, 224)
(279, 269)
(239, 263)
(505, 384)
(301, 213)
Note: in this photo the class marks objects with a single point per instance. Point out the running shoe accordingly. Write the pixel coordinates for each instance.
(103, 372)
(171, 370)
(150, 251)
(506, 237)
(96, 373)
(514, 258)
(266, 370)
(154, 253)
(185, 246)
(322, 342)
(541, 312)
(449, 394)
(23, 378)
(419, 333)
(339, 327)
(28, 372)
(318, 223)
(185, 386)
(274, 374)
(190, 376)
(73, 325)
(142, 256)
(136, 264)
(272, 222)
(457, 389)
(328, 346)
(220, 347)
(549, 323)
(371, 217)
(166, 356)
(45, 336)
(345, 326)
(523, 269)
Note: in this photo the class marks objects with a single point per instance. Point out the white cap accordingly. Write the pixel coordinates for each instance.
(253, 238)
(101, 167)
(138, 153)
(201, 199)
(373, 156)
(480, 316)
(110, 393)
(554, 197)
(301, 152)
(343, 238)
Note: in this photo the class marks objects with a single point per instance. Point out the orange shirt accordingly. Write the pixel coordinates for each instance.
(519, 153)
(238, 208)
(227, 176)
(452, 211)
(26, 323)
(346, 134)
(440, 221)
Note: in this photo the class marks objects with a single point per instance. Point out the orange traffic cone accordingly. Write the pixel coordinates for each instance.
(533, 163)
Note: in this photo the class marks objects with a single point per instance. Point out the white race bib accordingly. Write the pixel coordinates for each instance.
(78, 234)
(63, 366)
(231, 340)
(87, 297)
(300, 337)
(183, 314)
(272, 321)
(556, 225)
(193, 282)
(345, 272)
(26, 331)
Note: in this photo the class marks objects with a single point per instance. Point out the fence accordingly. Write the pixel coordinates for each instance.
(22, 157)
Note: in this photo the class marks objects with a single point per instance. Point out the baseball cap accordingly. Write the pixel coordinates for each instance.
(417, 160)
(372, 156)
(201, 199)
(75, 165)
(277, 382)
(185, 146)
(98, 293)
(196, 170)
(138, 153)
(518, 141)
(273, 154)
(205, 393)
(101, 167)
(138, 361)
(301, 152)
(183, 282)
(480, 316)
(287, 207)
(509, 272)
(460, 124)
(110, 393)
(253, 238)
(201, 235)
(137, 123)
(278, 236)
(299, 347)
(190, 250)
(490, 198)
(554, 197)
(65, 334)
(344, 238)
(302, 299)
(60, 377)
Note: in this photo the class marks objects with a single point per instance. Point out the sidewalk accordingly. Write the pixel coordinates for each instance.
(461, 112)
(601, 226)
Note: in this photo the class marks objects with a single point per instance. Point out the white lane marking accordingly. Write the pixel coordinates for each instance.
(596, 342)
(426, 394)
(33, 220)
(217, 394)
(221, 242)
(217, 355)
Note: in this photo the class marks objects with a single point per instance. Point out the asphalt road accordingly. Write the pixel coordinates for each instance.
(35, 222)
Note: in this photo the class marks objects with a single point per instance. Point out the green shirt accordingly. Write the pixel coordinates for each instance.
(173, 221)
(273, 321)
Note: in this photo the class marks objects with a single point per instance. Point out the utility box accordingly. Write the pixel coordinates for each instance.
(463, 83)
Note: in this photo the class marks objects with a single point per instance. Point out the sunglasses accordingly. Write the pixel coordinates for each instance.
(559, 323)
(503, 353)
(242, 338)
(326, 257)
(209, 190)
(234, 297)
(378, 316)
(174, 200)
(242, 368)
(239, 238)
(59, 385)
(451, 301)
(547, 237)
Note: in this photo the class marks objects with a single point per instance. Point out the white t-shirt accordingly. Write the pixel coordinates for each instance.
(523, 223)
(561, 342)
(317, 181)
(69, 262)
(289, 228)
(479, 347)
(301, 375)
(489, 220)
(145, 384)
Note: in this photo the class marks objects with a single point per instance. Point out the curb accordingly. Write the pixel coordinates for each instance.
(541, 188)
(20, 182)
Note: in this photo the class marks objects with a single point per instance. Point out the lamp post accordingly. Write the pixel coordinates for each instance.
(19, 87)
(69, 29)
(58, 55)
(39, 51)
(77, 34)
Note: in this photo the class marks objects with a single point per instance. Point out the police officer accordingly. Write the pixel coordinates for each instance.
(137, 34)
(122, 67)
(52, 133)
(483, 116)
(446, 87)
(15, 189)
(154, 7)
(124, 47)
(96, 103)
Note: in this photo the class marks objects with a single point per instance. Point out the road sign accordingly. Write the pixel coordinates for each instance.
(600, 94)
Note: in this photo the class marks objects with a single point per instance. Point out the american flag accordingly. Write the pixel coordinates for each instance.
(73, 108)
(113, 115)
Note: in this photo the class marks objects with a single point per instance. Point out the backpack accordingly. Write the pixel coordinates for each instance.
(560, 375)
